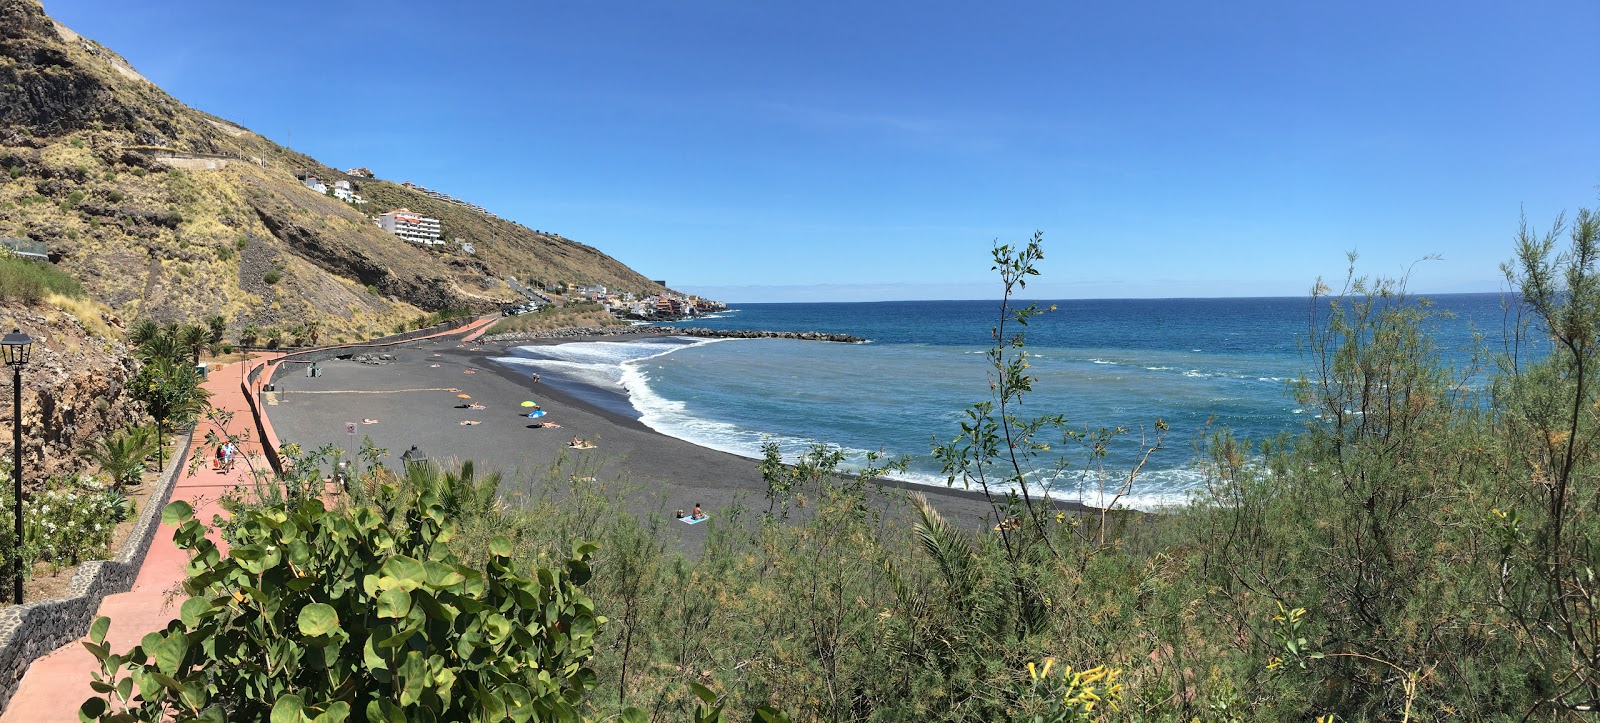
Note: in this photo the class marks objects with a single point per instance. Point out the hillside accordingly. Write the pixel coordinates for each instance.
(166, 212)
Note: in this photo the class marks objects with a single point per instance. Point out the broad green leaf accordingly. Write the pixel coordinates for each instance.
(176, 513)
(170, 652)
(500, 546)
(394, 603)
(337, 712)
(288, 709)
(191, 611)
(370, 656)
(404, 568)
(703, 693)
(97, 631)
(91, 709)
(318, 619)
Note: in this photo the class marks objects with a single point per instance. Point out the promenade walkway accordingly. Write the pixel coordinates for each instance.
(56, 684)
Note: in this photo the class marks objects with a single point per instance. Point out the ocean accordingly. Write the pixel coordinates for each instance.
(1191, 363)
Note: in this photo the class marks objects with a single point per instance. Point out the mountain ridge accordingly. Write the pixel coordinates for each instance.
(167, 212)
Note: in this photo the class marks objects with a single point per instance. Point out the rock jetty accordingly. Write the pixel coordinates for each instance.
(576, 332)
(742, 334)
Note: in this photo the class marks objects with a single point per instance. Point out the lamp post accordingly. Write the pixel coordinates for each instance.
(16, 346)
(413, 458)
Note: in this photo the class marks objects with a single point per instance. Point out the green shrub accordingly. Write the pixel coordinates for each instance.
(114, 196)
(224, 253)
(16, 172)
(140, 172)
(29, 281)
(70, 521)
(121, 455)
(364, 611)
(241, 243)
(272, 276)
(373, 290)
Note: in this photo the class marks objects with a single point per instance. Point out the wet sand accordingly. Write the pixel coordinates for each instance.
(415, 402)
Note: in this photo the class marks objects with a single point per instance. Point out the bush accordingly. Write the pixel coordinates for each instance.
(72, 520)
(272, 276)
(30, 281)
(114, 196)
(121, 455)
(16, 172)
(366, 612)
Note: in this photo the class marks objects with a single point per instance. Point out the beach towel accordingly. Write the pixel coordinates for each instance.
(693, 521)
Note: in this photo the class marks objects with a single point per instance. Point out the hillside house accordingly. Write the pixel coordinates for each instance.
(413, 227)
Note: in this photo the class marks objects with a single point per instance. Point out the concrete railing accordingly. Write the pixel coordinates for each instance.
(34, 629)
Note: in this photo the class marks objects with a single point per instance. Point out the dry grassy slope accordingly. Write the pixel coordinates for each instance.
(511, 248)
(185, 244)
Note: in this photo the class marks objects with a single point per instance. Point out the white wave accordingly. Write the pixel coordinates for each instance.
(595, 363)
(1102, 361)
(1158, 369)
(1196, 374)
(1153, 490)
(1269, 379)
(674, 419)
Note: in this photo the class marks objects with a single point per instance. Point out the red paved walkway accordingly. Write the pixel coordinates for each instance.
(56, 684)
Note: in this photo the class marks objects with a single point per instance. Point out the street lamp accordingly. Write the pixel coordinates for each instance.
(414, 458)
(16, 346)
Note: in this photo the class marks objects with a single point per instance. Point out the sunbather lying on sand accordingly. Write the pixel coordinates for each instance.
(544, 425)
(469, 422)
(369, 421)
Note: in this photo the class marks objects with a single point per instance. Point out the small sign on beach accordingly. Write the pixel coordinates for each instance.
(350, 428)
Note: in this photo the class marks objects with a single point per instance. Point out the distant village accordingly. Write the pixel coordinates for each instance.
(657, 307)
(425, 231)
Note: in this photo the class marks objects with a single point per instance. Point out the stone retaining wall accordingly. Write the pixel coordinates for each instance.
(34, 629)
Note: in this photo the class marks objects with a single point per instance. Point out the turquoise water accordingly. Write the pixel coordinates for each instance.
(1101, 363)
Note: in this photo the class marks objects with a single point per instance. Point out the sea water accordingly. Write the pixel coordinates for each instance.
(1194, 364)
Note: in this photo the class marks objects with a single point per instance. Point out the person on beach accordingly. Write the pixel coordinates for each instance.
(536, 377)
(227, 455)
(698, 515)
(680, 514)
(217, 463)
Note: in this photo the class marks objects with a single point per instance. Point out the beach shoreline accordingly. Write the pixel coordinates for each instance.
(414, 401)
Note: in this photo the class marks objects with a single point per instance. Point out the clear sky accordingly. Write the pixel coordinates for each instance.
(761, 151)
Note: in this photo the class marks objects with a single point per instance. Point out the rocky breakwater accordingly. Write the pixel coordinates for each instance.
(751, 334)
(74, 389)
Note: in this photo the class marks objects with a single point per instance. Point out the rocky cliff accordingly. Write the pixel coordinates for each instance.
(74, 389)
(168, 213)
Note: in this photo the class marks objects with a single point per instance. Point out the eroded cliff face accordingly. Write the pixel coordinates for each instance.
(74, 389)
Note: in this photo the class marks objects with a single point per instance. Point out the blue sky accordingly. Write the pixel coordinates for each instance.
(757, 151)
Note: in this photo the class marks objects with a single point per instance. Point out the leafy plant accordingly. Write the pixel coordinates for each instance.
(318, 614)
(171, 393)
(71, 520)
(272, 276)
(121, 454)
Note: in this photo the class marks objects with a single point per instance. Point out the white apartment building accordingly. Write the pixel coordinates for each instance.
(412, 227)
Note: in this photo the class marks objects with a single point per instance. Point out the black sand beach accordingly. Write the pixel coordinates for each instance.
(415, 402)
